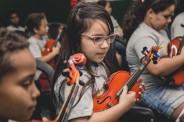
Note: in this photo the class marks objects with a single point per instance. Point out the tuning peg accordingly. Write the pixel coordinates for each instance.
(154, 62)
(66, 73)
(154, 59)
(145, 49)
(66, 64)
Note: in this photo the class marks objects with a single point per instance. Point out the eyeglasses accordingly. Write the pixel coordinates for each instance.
(98, 40)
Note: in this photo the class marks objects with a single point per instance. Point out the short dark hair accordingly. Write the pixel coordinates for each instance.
(102, 2)
(10, 42)
(137, 12)
(10, 12)
(34, 21)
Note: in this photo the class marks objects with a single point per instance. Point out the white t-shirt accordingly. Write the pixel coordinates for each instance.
(13, 28)
(145, 36)
(36, 47)
(85, 106)
(177, 27)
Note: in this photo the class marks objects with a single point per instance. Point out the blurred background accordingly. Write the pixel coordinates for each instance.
(55, 10)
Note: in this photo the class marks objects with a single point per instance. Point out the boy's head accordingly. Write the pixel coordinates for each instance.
(106, 4)
(13, 18)
(17, 69)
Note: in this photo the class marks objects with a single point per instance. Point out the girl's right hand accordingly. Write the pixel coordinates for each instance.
(56, 49)
(127, 98)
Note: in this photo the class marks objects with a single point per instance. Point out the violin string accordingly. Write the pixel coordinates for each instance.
(137, 74)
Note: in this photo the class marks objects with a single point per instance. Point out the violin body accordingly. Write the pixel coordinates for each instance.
(48, 49)
(116, 81)
(48, 46)
(110, 94)
(175, 47)
(52, 43)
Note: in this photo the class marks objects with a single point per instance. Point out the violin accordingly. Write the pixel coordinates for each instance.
(174, 48)
(48, 49)
(112, 90)
(72, 74)
(52, 43)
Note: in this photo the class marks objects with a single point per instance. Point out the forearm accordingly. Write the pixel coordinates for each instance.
(110, 115)
(48, 57)
(165, 66)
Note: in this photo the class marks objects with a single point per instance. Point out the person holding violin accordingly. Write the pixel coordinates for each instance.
(37, 27)
(143, 27)
(91, 34)
(18, 92)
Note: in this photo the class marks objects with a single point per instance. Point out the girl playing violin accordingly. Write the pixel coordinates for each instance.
(36, 26)
(18, 92)
(143, 26)
(90, 33)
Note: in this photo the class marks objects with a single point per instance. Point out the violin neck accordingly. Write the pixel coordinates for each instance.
(57, 38)
(130, 83)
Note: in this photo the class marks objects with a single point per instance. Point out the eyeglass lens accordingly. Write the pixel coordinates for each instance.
(100, 40)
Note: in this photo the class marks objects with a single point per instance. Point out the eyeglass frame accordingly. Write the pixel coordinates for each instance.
(104, 38)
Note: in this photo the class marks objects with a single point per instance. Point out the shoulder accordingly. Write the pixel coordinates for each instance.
(32, 40)
(10, 27)
(145, 32)
(178, 19)
(21, 28)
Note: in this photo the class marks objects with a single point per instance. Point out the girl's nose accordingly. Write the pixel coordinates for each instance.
(105, 44)
(34, 91)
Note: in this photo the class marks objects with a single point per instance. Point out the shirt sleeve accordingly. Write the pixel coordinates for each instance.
(35, 50)
(142, 42)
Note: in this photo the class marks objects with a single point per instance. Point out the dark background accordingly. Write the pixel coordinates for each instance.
(55, 10)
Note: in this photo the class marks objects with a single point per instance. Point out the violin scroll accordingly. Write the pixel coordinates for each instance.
(71, 71)
(152, 54)
(73, 66)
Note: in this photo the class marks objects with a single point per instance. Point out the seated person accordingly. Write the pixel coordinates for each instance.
(18, 92)
(14, 21)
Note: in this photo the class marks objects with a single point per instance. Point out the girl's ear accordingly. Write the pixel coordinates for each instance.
(35, 30)
(151, 13)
